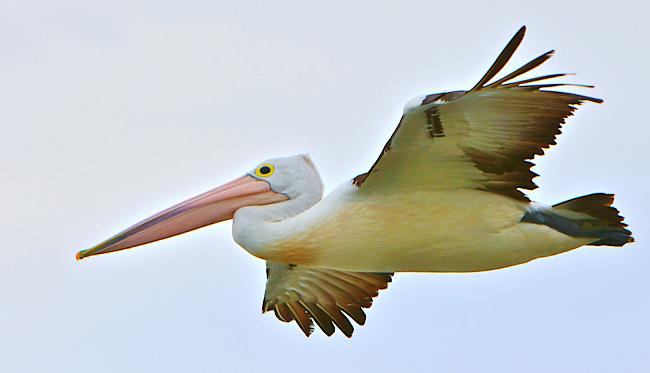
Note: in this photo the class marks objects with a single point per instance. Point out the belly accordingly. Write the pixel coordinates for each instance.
(429, 231)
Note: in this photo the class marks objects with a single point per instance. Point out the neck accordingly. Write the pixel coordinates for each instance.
(256, 226)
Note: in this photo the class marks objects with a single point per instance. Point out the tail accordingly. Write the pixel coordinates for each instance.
(587, 216)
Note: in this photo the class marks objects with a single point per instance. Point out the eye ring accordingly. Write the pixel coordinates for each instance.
(265, 170)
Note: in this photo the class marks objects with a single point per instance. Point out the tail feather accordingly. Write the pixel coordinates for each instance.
(597, 205)
(588, 216)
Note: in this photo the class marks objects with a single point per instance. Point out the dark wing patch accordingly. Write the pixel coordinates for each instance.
(327, 297)
(538, 116)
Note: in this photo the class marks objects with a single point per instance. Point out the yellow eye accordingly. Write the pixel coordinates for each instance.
(265, 170)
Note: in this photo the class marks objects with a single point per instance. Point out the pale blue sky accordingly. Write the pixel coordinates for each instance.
(112, 111)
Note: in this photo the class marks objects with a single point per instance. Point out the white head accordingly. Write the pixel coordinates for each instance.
(295, 176)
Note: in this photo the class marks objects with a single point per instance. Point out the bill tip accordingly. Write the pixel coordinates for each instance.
(80, 255)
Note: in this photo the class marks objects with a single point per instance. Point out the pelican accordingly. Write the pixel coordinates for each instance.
(443, 196)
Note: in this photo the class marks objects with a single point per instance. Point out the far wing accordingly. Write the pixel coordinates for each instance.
(303, 294)
(477, 139)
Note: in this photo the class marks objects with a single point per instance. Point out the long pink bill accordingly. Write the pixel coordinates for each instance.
(211, 207)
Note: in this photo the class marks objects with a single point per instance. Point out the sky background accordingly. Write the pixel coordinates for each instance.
(114, 110)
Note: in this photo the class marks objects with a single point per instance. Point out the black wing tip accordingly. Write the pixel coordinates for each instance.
(502, 59)
(536, 62)
(521, 32)
(594, 99)
(506, 81)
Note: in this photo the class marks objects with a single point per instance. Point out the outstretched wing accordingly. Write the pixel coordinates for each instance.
(326, 296)
(477, 139)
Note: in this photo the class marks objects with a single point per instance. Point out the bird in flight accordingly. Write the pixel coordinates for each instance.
(443, 196)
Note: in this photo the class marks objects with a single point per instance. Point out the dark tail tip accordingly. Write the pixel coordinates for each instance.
(606, 223)
(588, 216)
